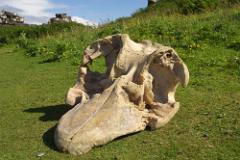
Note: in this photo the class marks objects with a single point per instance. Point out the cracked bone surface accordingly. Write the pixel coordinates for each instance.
(137, 90)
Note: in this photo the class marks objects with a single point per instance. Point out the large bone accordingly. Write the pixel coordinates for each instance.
(137, 90)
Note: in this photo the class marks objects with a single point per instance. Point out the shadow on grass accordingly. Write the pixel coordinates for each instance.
(48, 138)
(51, 113)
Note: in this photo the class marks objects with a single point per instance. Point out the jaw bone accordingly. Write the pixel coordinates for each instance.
(137, 90)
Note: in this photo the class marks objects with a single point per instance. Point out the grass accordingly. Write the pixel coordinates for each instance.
(206, 127)
(32, 101)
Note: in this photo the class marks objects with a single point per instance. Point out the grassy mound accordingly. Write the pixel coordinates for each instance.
(166, 7)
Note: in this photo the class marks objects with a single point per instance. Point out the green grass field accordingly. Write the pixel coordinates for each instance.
(36, 72)
(32, 101)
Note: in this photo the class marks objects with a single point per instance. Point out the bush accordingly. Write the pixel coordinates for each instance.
(194, 6)
(56, 54)
(3, 40)
(28, 44)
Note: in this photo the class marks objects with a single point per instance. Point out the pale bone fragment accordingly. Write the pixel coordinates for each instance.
(137, 90)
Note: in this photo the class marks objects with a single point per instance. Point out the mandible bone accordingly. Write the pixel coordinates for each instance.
(137, 90)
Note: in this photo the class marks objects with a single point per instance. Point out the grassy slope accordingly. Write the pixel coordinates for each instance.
(206, 127)
(187, 34)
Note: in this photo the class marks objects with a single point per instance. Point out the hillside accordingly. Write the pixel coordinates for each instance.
(186, 7)
(39, 64)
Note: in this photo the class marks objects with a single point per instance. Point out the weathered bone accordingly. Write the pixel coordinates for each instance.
(136, 91)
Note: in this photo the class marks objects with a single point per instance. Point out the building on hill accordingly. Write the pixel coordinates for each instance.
(151, 2)
(9, 18)
(60, 17)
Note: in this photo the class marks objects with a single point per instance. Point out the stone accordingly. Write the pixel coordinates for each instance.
(137, 90)
(9, 18)
(151, 2)
(60, 18)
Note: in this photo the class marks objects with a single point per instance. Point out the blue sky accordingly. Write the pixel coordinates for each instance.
(100, 11)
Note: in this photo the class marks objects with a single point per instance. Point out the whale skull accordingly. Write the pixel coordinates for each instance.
(137, 90)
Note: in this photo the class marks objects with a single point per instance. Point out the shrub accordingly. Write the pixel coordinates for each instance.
(194, 6)
(28, 44)
(3, 40)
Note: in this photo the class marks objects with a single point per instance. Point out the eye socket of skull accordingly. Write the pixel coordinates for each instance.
(169, 54)
(163, 58)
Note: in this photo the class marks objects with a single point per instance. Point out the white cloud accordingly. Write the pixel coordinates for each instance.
(35, 20)
(36, 11)
(83, 21)
(32, 7)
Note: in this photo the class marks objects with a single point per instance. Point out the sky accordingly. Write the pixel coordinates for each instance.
(85, 11)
